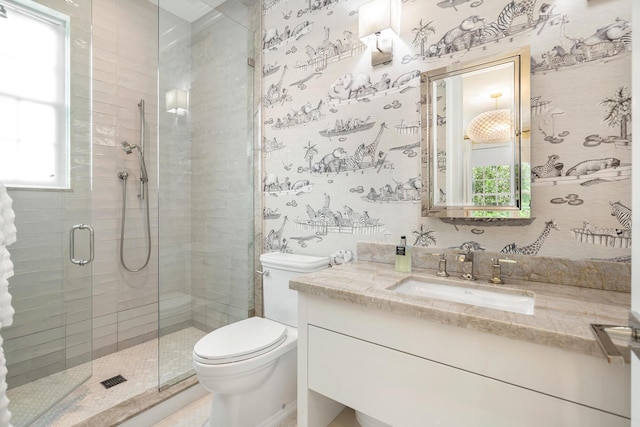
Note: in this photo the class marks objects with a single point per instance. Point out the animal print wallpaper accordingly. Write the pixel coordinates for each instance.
(341, 139)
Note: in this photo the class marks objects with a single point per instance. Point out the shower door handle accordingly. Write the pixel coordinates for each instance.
(72, 244)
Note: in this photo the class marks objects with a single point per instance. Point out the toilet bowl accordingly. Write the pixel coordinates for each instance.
(256, 379)
(251, 366)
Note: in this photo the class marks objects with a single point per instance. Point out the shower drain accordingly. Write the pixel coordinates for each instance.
(113, 381)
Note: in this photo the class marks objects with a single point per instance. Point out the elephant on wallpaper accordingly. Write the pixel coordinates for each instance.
(349, 87)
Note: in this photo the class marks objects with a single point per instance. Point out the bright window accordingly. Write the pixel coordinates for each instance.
(492, 185)
(34, 94)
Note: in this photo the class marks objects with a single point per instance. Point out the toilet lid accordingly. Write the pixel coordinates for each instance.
(241, 340)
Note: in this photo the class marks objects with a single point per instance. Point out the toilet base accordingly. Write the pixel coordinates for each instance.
(275, 420)
(267, 405)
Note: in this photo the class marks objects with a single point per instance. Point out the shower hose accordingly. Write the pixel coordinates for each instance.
(124, 176)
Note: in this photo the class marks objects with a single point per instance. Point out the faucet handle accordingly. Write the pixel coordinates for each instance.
(442, 265)
(496, 273)
(465, 256)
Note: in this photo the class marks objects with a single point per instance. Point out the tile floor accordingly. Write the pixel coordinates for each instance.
(138, 364)
(197, 413)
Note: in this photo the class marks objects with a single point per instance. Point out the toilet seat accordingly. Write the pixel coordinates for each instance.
(240, 341)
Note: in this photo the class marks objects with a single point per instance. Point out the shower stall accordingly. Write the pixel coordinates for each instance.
(191, 63)
(207, 172)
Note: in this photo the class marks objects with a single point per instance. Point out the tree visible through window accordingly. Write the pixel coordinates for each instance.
(34, 93)
(492, 185)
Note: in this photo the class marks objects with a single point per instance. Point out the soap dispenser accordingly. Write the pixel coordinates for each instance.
(403, 256)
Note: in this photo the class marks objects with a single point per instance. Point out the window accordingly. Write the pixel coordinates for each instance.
(34, 94)
(492, 185)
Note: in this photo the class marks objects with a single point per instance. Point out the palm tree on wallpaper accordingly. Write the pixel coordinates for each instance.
(619, 111)
(424, 237)
(309, 152)
(422, 33)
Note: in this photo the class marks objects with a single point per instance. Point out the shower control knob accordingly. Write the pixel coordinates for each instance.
(123, 175)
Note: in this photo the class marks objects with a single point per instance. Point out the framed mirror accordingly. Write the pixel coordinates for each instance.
(475, 125)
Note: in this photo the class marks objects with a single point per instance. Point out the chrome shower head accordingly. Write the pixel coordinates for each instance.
(128, 148)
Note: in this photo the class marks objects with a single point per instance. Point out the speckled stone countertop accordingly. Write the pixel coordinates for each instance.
(562, 316)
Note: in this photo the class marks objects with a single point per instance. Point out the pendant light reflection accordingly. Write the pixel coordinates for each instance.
(491, 127)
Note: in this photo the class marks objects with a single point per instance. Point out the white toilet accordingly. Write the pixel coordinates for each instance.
(251, 366)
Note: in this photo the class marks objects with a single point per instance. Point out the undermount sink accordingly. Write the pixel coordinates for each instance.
(506, 299)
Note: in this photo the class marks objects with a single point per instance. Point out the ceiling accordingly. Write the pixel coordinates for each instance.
(189, 10)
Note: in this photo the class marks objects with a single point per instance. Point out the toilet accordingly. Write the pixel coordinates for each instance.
(251, 366)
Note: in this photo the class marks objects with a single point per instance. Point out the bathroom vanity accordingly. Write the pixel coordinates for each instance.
(410, 360)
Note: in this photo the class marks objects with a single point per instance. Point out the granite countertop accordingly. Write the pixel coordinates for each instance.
(562, 316)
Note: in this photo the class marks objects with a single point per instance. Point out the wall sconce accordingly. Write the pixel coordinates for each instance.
(491, 127)
(378, 23)
(177, 101)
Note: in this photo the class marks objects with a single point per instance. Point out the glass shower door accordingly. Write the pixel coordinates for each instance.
(45, 132)
(206, 175)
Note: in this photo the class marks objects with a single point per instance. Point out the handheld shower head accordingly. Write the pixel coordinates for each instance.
(128, 148)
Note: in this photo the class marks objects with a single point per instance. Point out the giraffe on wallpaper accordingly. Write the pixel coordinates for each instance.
(533, 248)
(276, 93)
(372, 149)
(274, 240)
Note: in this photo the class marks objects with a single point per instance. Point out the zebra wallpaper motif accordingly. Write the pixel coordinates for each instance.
(341, 139)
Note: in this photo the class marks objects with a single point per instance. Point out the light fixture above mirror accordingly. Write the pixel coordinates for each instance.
(378, 24)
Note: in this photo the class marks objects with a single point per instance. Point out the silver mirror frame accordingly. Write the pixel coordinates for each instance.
(522, 122)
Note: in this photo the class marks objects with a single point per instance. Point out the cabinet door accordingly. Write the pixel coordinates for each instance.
(405, 390)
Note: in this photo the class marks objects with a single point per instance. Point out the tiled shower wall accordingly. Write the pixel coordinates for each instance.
(125, 309)
(175, 165)
(316, 74)
(51, 326)
(222, 168)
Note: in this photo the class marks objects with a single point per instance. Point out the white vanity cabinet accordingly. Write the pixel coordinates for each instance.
(410, 371)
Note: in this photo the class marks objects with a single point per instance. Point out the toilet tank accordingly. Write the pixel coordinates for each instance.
(280, 302)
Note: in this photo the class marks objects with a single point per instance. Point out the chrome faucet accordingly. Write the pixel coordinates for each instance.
(496, 274)
(466, 258)
(442, 265)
